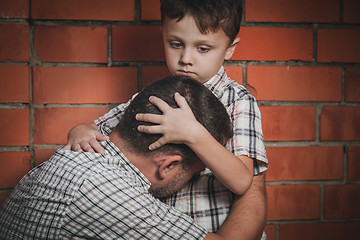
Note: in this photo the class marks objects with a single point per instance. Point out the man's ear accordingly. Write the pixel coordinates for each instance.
(231, 49)
(167, 164)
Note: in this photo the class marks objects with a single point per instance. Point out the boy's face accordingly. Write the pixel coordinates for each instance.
(189, 52)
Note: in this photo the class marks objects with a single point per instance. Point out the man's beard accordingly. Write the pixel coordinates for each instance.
(171, 187)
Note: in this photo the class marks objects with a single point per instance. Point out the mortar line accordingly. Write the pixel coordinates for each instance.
(109, 47)
(315, 49)
(137, 11)
(31, 88)
(318, 110)
(341, 11)
(345, 164)
(322, 201)
(343, 77)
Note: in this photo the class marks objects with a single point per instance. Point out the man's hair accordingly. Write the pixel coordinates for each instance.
(207, 109)
(209, 15)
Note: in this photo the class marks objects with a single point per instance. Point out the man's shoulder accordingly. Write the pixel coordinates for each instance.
(75, 160)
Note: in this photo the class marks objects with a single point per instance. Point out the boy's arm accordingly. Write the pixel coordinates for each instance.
(246, 220)
(236, 173)
(85, 137)
(179, 125)
(248, 213)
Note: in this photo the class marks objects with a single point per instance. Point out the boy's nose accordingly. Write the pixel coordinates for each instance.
(186, 57)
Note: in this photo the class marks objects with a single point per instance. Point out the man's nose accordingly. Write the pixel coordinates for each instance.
(187, 57)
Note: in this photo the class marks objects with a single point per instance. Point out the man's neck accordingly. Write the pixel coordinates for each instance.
(144, 164)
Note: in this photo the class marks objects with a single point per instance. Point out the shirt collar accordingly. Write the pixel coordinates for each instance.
(214, 83)
(116, 155)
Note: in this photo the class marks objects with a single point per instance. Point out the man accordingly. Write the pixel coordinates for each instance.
(110, 195)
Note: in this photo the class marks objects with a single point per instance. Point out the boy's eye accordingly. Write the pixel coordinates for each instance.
(203, 49)
(176, 44)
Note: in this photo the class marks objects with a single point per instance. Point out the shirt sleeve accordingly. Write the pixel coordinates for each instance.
(248, 137)
(111, 119)
(107, 207)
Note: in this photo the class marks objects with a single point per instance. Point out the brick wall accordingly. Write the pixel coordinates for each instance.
(301, 57)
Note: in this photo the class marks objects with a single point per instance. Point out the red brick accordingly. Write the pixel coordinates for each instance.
(354, 163)
(150, 10)
(352, 84)
(71, 43)
(338, 45)
(274, 43)
(351, 11)
(3, 197)
(14, 9)
(282, 123)
(285, 83)
(235, 73)
(293, 202)
(153, 73)
(52, 125)
(115, 10)
(340, 123)
(316, 231)
(292, 11)
(270, 230)
(15, 83)
(51, 84)
(14, 127)
(137, 43)
(13, 166)
(342, 201)
(14, 42)
(304, 163)
(42, 155)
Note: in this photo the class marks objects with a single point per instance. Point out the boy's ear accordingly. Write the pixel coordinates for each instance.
(231, 49)
(167, 164)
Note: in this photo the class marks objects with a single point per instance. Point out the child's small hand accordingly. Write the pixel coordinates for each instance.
(177, 125)
(84, 137)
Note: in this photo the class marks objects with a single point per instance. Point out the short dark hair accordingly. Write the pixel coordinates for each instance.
(209, 15)
(207, 109)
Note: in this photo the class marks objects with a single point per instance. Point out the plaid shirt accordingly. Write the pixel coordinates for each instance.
(206, 199)
(244, 113)
(90, 196)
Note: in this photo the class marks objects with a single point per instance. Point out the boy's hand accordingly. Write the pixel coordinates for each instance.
(177, 125)
(84, 137)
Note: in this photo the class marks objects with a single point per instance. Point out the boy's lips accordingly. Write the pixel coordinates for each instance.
(187, 73)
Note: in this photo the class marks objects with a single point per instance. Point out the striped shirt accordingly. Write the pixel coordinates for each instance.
(206, 199)
(90, 196)
(244, 114)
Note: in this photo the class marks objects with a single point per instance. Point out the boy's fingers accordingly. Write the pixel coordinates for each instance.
(100, 137)
(181, 101)
(76, 147)
(157, 144)
(161, 104)
(150, 129)
(148, 117)
(96, 146)
(66, 147)
(86, 147)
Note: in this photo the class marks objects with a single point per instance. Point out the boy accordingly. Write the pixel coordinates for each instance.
(198, 36)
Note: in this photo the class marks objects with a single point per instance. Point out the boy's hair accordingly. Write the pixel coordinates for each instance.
(207, 109)
(209, 15)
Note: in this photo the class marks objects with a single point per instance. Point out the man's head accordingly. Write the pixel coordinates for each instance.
(172, 160)
(199, 35)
